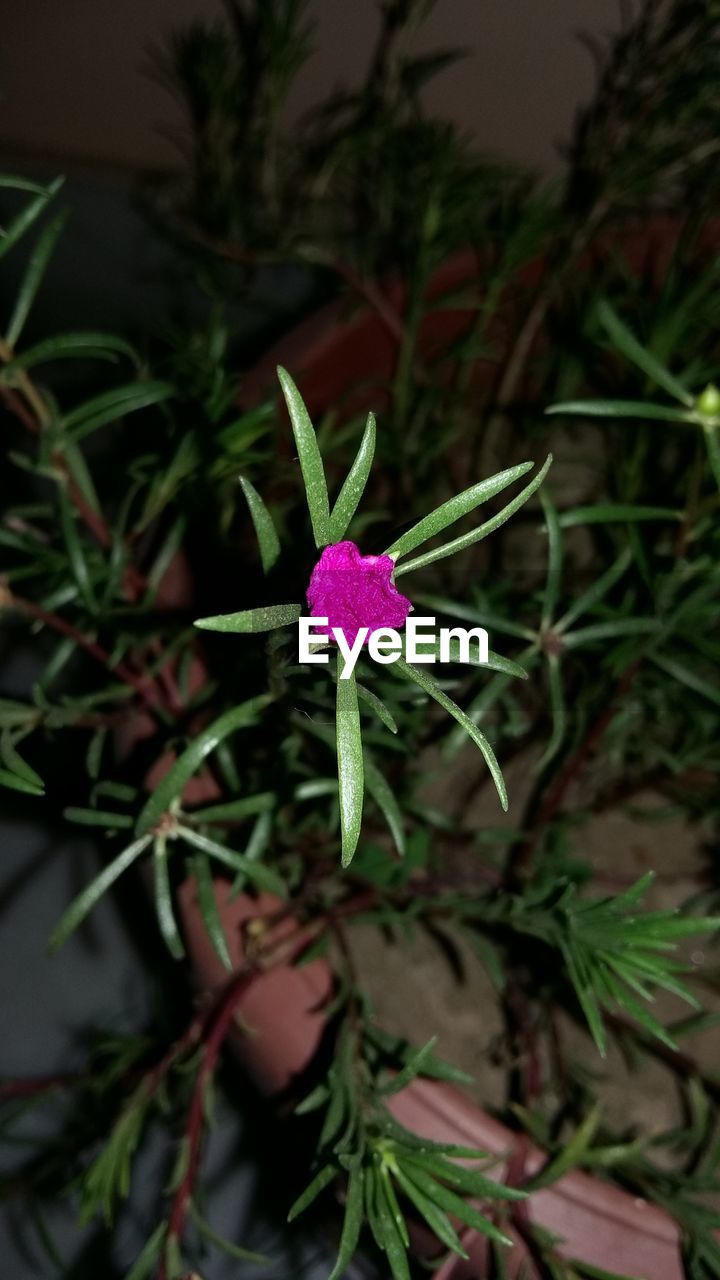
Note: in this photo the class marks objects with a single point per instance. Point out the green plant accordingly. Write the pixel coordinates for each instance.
(142, 471)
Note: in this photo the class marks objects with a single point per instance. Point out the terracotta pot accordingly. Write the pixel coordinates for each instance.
(279, 1025)
(344, 355)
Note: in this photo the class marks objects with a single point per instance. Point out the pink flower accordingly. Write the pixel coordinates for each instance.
(354, 591)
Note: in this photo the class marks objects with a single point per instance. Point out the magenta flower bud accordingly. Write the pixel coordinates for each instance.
(354, 591)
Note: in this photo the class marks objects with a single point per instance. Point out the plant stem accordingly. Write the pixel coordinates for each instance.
(144, 688)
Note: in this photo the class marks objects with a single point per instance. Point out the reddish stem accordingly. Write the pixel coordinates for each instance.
(64, 628)
(195, 1125)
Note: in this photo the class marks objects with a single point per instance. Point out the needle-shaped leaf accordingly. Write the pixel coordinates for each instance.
(145, 1262)
(164, 901)
(34, 273)
(257, 872)
(555, 559)
(596, 591)
(412, 1068)
(483, 530)
(454, 509)
(98, 818)
(557, 711)
(96, 346)
(386, 1229)
(352, 1223)
(19, 768)
(85, 901)
(29, 214)
(16, 783)
(615, 513)
(468, 1181)
(172, 785)
(386, 803)
(430, 686)
(112, 405)
(207, 903)
(265, 531)
(75, 551)
(627, 343)
(642, 409)
(378, 706)
(251, 621)
(453, 1204)
(437, 1220)
(312, 1191)
(311, 463)
(712, 444)
(350, 763)
(234, 810)
(352, 491)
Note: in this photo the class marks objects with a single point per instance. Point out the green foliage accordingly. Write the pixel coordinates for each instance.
(387, 1166)
(139, 490)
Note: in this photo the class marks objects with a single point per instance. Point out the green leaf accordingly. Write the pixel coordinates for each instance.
(378, 706)
(85, 901)
(627, 343)
(386, 1230)
(619, 409)
(311, 463)
(557, 711)
(76, 554)
(615, 513)
(209, 908)
(454, 509)
(258, 872)
(469, 1181)
(495, 661)
(80, 473)
(354, 486)
(29, 214)
(437, 1220)
(610, 630)
(170, 478)
(386, 803)
(412, 1068)
(312, 1191)
(34, 273)
(350, 763)
(572, 1153)
(483, 530)
(172, 785)
(691, 680)
(98, 818)
(596, 591)
(712, 443)
(16, 783)
(555, 559)
(226, 1246)
(430, 686)
(265, 530)
(352, 1222)
(12, 182)
(454, 1205)
(164, 901)
(112, 405)
(19, 768)
(102, 346)
(234, 810)
(251, 621)
(146, 1260)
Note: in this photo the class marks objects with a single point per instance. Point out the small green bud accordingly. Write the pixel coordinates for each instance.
(708, 402)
